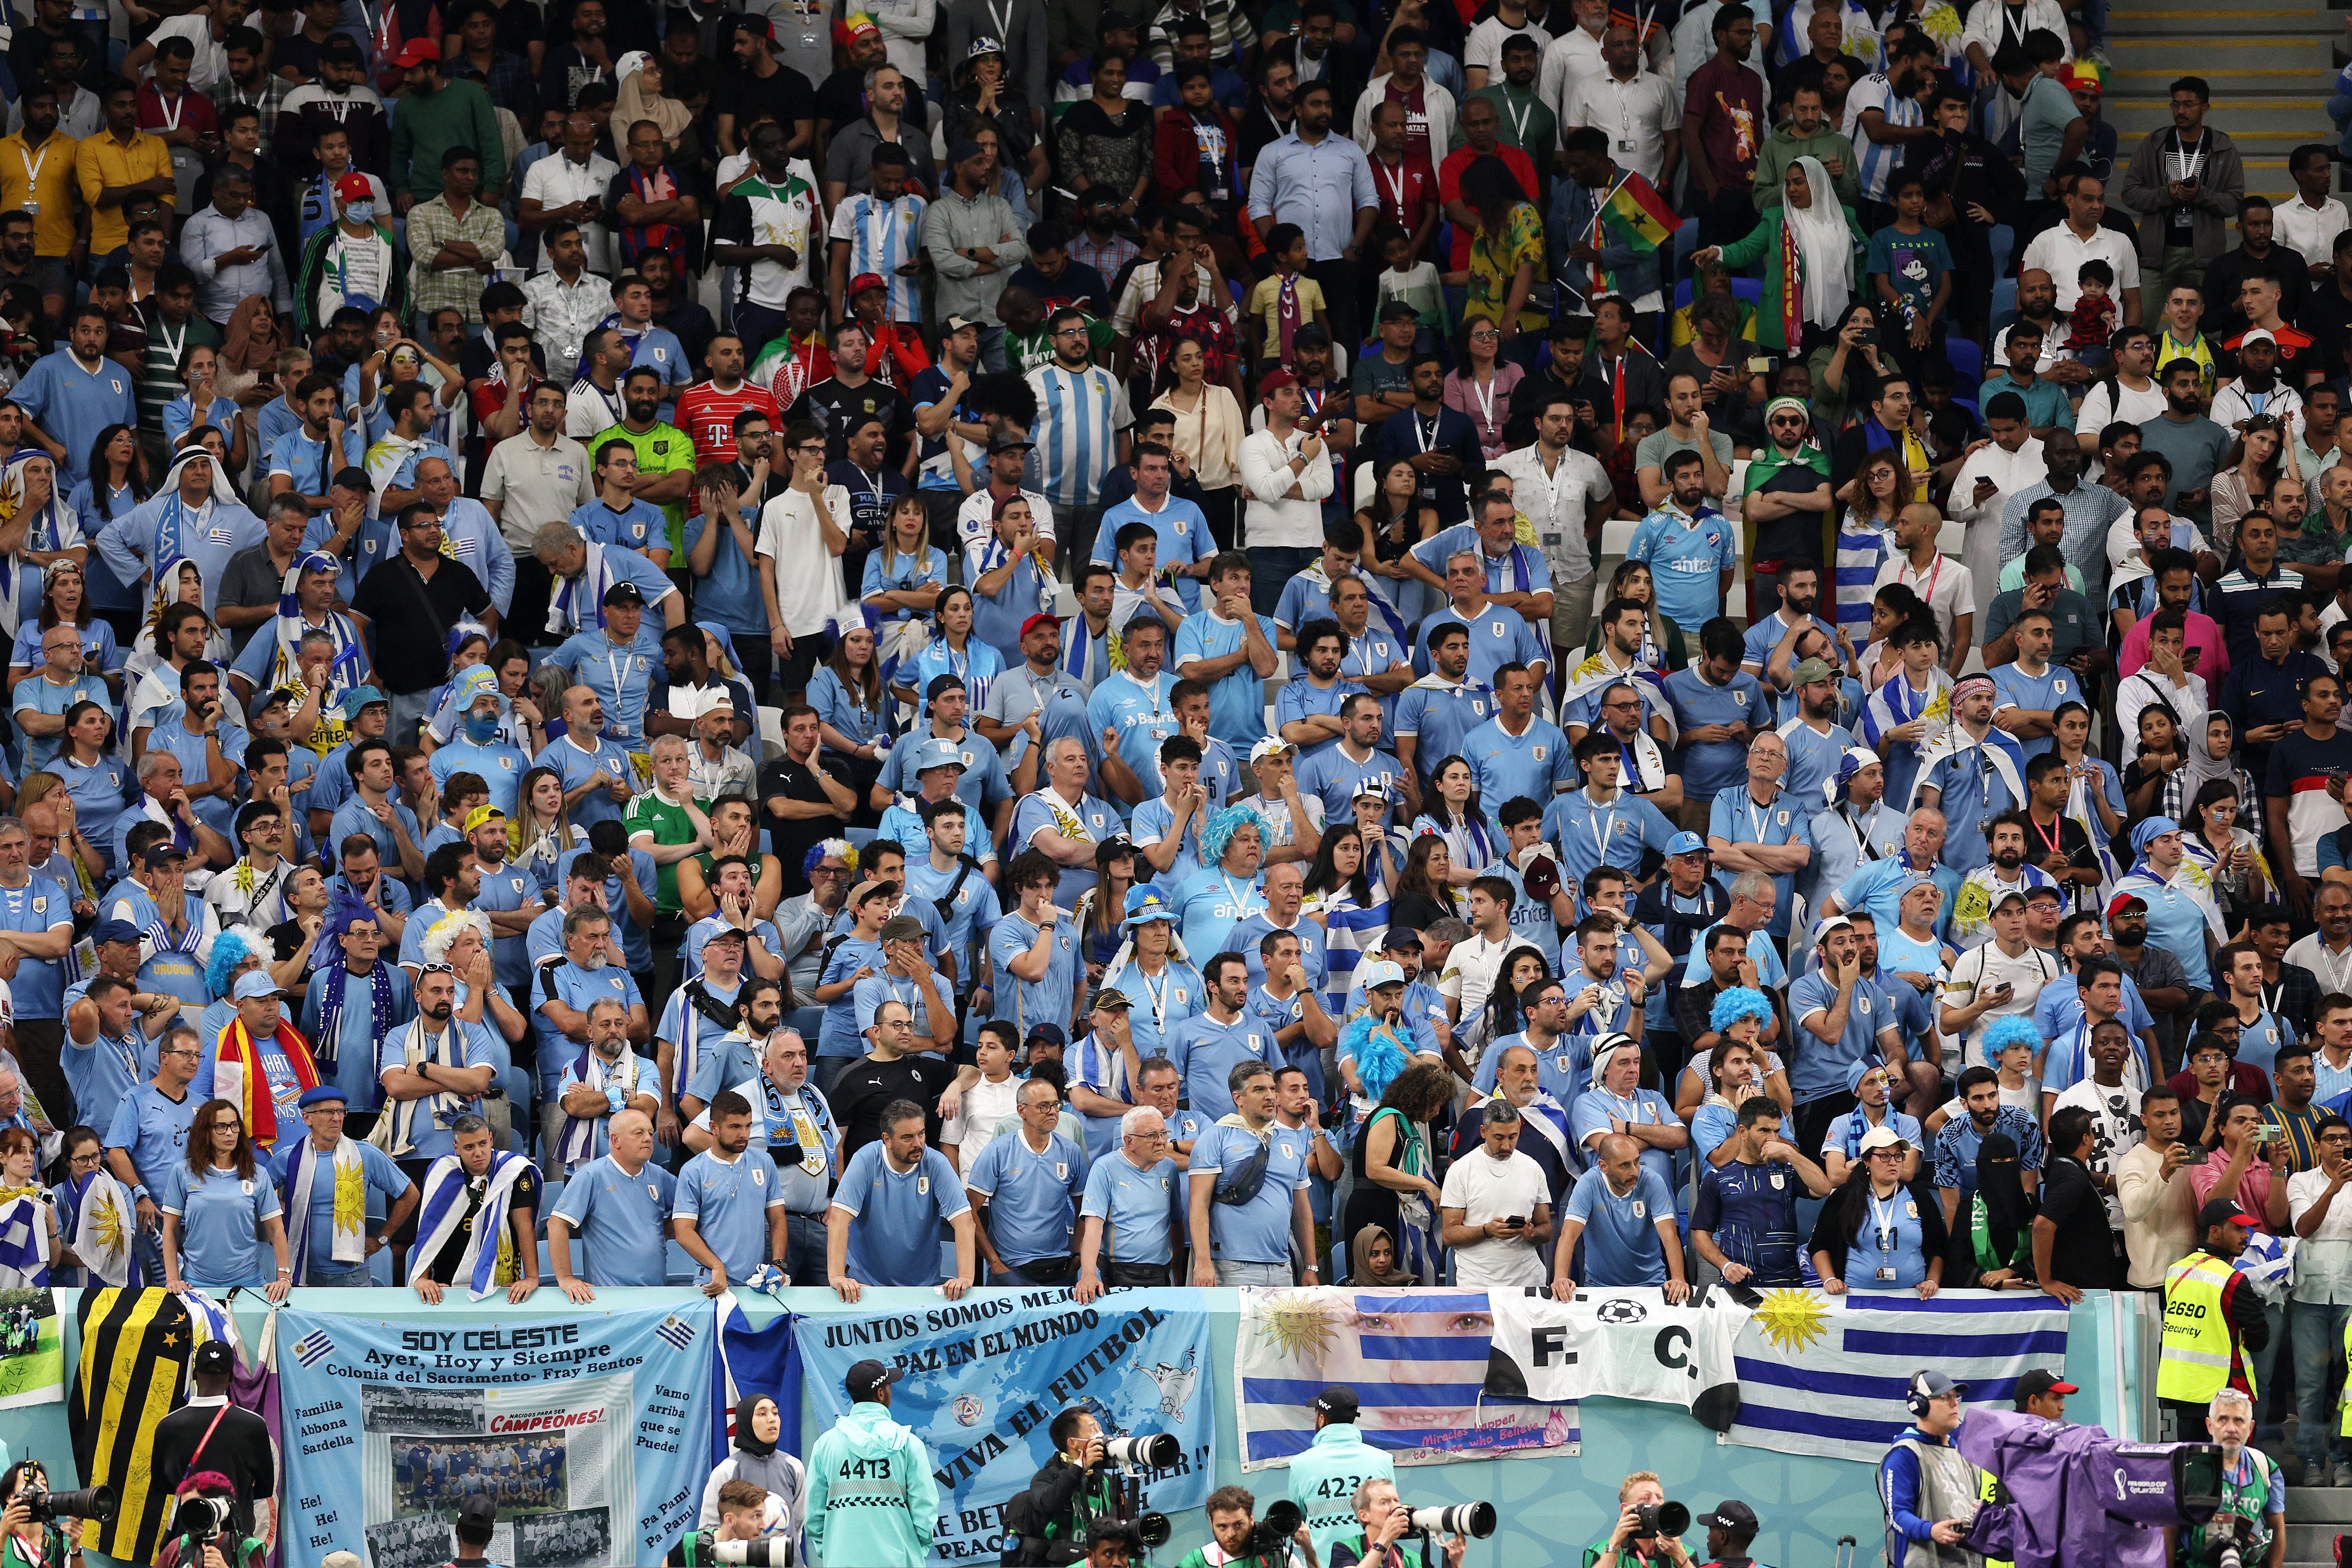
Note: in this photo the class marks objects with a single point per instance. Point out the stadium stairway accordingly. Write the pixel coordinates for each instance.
(2316, 1516)
(2271, 68)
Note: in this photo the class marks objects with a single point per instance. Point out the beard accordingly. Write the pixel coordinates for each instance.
(597, 960)
(2009, 860)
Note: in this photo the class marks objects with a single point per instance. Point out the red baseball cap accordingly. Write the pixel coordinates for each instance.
(356, 187)
(865, 280)
(1040, 619)
(1274, 380)
(416, 52)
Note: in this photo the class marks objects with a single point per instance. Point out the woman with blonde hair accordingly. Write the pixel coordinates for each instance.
(904, 578)
(543, 830)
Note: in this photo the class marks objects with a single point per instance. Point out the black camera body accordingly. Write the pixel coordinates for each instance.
(1273, 1533)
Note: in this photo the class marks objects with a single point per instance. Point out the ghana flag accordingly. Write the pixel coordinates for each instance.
(1631, 216)
(135, 1347)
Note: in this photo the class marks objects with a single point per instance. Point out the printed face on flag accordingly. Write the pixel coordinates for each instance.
(1406, 1347)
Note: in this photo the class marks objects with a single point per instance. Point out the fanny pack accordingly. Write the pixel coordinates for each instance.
(1239, 1185)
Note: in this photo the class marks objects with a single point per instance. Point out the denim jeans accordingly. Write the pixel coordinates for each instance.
(803, 1257)
(1231, 1271)
(2317, 1329)
(358, 1278)
(2265, 1359)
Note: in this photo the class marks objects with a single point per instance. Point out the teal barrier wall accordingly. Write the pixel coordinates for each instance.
(1551, 1507)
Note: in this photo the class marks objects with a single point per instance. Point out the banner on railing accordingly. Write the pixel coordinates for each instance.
(592, 1434)
(986, 1376)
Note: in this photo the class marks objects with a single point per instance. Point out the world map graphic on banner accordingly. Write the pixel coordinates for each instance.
(592, 1433)
(986, 1376)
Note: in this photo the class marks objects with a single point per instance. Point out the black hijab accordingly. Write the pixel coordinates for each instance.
(746, 1438)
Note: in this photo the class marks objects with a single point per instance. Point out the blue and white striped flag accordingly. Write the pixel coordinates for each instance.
(313, 1347)
(675, 1332)
(1354, 935)
(25, 1242)
(1416, 1359)
(1827, 1375)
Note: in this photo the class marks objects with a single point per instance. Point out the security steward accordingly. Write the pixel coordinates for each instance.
(2213, 1324)
(1929, 1490)
(1323, 1479)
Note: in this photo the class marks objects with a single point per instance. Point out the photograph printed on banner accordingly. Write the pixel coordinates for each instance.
(422, 1543)
(560, 1449)
(521, 1475)
(32, 1348)
(457, 1412)
(581, 1539)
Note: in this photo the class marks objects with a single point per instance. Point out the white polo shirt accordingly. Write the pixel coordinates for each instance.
(2060, 252)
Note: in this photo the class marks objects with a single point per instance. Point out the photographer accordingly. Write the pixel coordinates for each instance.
(212, 1434)
(1930, 1493)
(1628, 1544)
(1320, 1478)
(27, 1542)
(2254, 1492)
(208, 1536)
(1232, 1520)
(1387, 1526)
(742, 1516)
(1068, 1493)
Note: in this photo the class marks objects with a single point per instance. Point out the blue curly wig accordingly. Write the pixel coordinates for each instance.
(1739, 1002)
(2003, 1033)
(230, 948)
(1380, 1059)
(1222, 829)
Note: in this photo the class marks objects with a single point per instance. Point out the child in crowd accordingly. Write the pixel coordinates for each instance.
(1287, 299)
(2095, 318)
(1417, 283)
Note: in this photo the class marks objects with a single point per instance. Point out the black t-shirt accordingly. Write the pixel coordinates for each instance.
(238, 1448)
(523, 1195)
(789, 95)
(834, 405)
(861, 1091)
(412, 645)
(788, 838)
(2082, 1254)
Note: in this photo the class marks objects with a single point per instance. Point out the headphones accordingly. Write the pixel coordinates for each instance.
(1915, 1397)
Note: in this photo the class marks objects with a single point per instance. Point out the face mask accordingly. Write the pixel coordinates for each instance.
(359, 212)
(481, 728)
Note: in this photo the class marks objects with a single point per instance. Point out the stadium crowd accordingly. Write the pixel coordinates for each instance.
(605, 600)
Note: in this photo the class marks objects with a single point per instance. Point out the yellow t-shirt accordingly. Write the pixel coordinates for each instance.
(100, 161)
(40, 180)
(1264, 303)
(664, 449)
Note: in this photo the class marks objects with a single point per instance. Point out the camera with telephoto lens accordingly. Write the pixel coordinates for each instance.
(2231, 1550)
(1273, 1533)
(92, 1502)
(774, 1551)
(1143, 1451)
(1668, 1519)
(1471, 1518)
(203, 1520)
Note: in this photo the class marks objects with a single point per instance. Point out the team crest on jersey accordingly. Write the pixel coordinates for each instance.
(40, 904)
(2058, 686)
(1181, 995)
(1478, 706)
(760, 1177)
(1179, 526)
(1740, 697)
(1778, 1181)
(1782, 820)
(1498, 629)
(1865, 1006)
(1061, 1170)
(923, 1187)
(563, 471)
(116, 382)
(507, 762)
(1640, 1209)
(1540, 752)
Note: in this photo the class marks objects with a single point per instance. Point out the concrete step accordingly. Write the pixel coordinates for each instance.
(2296, 110)
(2189, 20)
(2328, 1508)
(2221, 60)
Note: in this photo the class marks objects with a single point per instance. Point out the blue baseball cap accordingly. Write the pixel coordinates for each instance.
(325, 1094)
(115, 930)
(938, 752)
(1686, 843)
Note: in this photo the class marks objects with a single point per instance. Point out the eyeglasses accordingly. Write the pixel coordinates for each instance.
(94, 1159)
(830, 873)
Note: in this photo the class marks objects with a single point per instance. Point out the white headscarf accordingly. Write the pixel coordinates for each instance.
(1826, 250)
